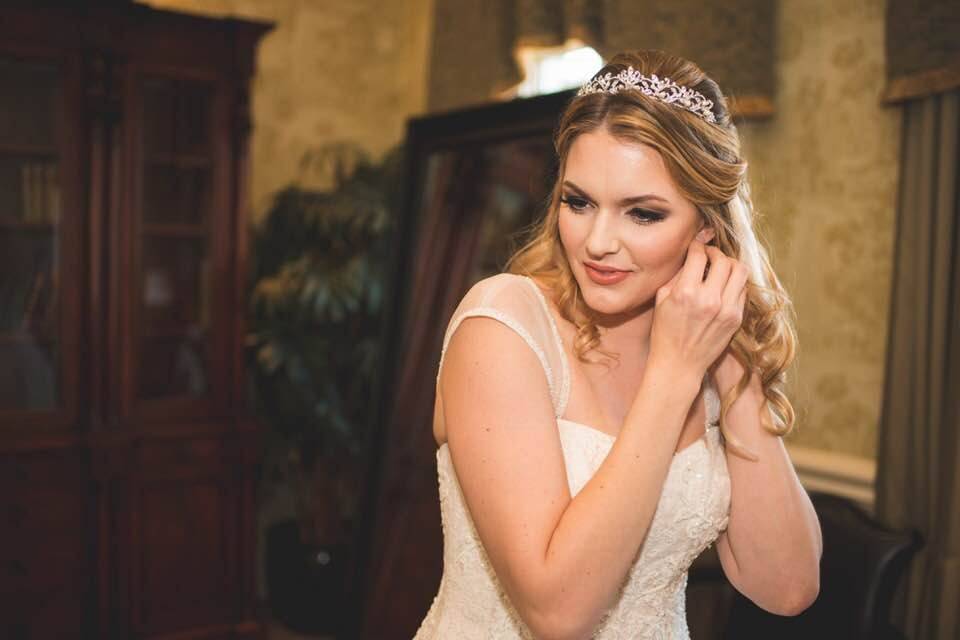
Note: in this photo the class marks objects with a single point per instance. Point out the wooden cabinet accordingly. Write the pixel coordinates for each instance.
(126, 452)
(47, 561)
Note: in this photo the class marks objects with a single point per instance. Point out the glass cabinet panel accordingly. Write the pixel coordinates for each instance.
(30, 202)
(177, 182)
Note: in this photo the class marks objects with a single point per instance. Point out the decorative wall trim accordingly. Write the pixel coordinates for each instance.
(836, 473)
(922, 84)
(751, 106)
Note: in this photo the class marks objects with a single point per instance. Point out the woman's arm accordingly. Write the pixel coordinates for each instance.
(560, 560)
(771, 549)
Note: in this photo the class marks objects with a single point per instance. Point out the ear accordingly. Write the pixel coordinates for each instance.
(706, 234)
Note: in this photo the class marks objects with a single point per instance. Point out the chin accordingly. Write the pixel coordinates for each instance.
(610, 301)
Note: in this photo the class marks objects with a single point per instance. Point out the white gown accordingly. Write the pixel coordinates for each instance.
(692, 511)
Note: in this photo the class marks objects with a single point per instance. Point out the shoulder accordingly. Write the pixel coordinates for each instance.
(507, 314)
(508, 297)
(501, 330)
(493, 336)
(509, 293)
(503, 282)
(498, 332)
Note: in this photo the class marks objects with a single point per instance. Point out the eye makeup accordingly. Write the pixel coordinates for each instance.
(640, 216)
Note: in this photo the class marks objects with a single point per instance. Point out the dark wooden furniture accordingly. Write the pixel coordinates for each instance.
(861, 569)
(126, 457)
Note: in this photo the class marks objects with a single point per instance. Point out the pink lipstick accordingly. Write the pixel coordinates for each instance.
(605, 276)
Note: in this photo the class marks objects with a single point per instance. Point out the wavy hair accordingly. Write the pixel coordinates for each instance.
(705, 162)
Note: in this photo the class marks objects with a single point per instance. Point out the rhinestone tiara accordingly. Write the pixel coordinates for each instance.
(662, 89)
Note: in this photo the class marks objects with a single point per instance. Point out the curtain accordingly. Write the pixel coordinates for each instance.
(404, 568)
(918, 483)
(474, 42)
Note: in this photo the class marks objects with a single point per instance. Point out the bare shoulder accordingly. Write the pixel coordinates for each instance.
(489, 352)
(487, 367)
(501, 280)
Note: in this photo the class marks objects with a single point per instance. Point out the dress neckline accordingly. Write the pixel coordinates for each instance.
(701, 440)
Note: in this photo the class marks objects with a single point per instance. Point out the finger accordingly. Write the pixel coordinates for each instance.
(742, 303)
(691, 275)
(735, 288)
(665, 289)
(719, 273)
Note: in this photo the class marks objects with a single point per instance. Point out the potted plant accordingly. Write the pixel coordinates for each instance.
(317, 283)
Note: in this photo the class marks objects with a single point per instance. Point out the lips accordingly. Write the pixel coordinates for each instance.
(604, 269)
(605, 277)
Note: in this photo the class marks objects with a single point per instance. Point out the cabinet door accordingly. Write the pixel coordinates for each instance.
(186, 561)
(40, 231)
(47, 575)
(180, 229)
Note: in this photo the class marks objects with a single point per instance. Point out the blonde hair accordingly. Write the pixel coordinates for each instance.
(705, 162)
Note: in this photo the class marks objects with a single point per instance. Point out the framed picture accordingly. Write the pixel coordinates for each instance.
(476, 181)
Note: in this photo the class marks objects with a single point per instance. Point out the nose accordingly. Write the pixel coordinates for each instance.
(602, 238)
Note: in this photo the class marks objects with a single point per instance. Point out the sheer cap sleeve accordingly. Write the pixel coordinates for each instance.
(517, 302)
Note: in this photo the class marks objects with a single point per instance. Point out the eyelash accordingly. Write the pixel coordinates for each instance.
(641, 216)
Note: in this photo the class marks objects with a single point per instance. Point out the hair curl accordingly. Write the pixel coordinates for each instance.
(705, 162)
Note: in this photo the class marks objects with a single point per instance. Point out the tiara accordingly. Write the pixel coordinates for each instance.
(662, 89)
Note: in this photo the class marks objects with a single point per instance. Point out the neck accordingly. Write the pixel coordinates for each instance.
(627, 333)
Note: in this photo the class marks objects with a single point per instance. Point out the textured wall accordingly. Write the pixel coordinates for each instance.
(922, 36)
(824, 171)
(328, 71)
(824, 168)
(732, 40)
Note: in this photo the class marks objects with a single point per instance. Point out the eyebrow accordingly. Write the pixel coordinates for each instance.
(646, 197)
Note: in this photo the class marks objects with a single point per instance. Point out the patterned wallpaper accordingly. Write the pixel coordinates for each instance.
(824, 171)
(327, 72)
(824, 167)
(922, 36)
(732, 40)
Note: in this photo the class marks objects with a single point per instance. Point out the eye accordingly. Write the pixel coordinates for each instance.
(575, 203)
(645, 216)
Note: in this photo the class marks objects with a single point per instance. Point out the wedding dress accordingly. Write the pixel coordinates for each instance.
(692, 511)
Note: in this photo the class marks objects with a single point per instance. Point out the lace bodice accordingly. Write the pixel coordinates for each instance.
(692, 511)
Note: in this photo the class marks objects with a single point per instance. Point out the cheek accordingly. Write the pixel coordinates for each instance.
(659, 249)
(570, 236)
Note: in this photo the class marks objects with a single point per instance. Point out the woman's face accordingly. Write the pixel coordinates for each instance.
(620, 209)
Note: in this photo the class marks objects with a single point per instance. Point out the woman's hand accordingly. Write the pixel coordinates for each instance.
(695, 318)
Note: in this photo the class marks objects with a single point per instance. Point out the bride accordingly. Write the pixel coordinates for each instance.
(576, 490)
